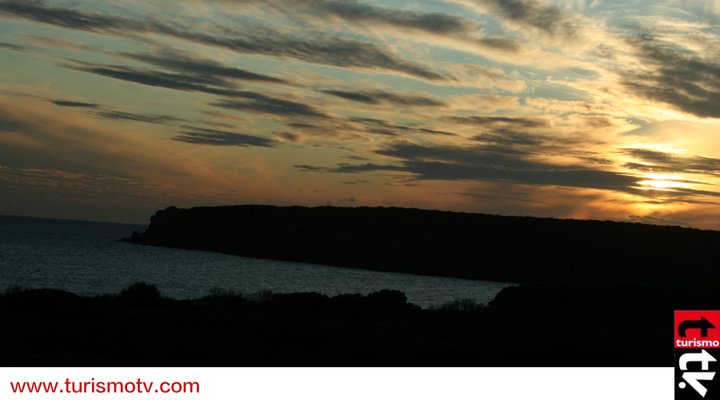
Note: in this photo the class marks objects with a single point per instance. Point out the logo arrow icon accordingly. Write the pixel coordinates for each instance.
(702, 324)
(694, 378)
(704, 358)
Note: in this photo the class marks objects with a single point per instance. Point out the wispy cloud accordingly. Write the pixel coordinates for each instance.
(495, 164)
(662, 162)
(66, 17)
(105, 112)
(11, 46)
(55, 43)
(684, 80)
(317, 49)
(370, 16)
(216, 137)
(265, 105)
(549, 19)
(197, 66)
(382, 97)
(78, 104)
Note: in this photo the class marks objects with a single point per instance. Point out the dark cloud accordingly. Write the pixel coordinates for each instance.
(510, 138)
(386, 128)
(203, 67)
(219, 124)
(253, 102)
(289, 136)
(40, 11)
(480, 163)
(549, 19)
(148, 118)
(8, 123)
(484, 121)
(310, 168)
(363, 13)
(319, 49)
(436, 132)
(506, 44)
(661, 162)
(323, 50)
(446, 171)
(451, 163)
(487, 155)
(521, 140)
(435, 23)
(105, 112)
(184, 82)
(598, 160)
(214, 137)
(357, 158)
(300, 125)
(10, 46)
(64, 103)
(656, 169)
(675, 77)
(380, 127)
(379, 96)
(261, 104)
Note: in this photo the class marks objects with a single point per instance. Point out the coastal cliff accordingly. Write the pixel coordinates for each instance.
(440, 243)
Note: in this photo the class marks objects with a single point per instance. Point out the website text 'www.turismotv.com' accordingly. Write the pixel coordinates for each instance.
(93, 386)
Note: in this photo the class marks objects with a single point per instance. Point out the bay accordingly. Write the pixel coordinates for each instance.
(86, 258)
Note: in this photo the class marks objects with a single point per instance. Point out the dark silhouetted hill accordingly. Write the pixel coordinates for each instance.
(462, 245)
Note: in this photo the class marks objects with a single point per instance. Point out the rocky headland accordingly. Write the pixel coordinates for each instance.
(451, 244)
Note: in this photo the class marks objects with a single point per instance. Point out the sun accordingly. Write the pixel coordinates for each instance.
(662, 184)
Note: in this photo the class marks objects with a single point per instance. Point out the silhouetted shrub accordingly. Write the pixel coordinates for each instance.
(225, 298)
(387, 297)
(140, 294)
(13, 289)
(217, 291)
(260, 296)
(459, 305)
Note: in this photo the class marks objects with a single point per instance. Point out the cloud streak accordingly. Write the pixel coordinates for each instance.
(486, 164)
(105, 112)
(200, 67)
(685, 81)
(11, 46)
(370, 16)
(318, 49)
(548, 19)
(214, 137)
(662, 162)
(375, 97)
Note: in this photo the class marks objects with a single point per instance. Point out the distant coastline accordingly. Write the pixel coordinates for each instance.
(441, 243)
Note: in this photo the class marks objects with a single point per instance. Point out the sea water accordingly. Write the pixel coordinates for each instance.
(87, 258)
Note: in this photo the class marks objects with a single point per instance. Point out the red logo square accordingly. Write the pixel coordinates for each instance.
(697, 329)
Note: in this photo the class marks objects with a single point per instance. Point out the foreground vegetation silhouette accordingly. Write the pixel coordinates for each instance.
(559, 324)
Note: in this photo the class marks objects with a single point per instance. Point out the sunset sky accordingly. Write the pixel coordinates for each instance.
(597, 109)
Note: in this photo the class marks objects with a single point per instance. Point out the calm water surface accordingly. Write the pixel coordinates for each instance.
(85, 258)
